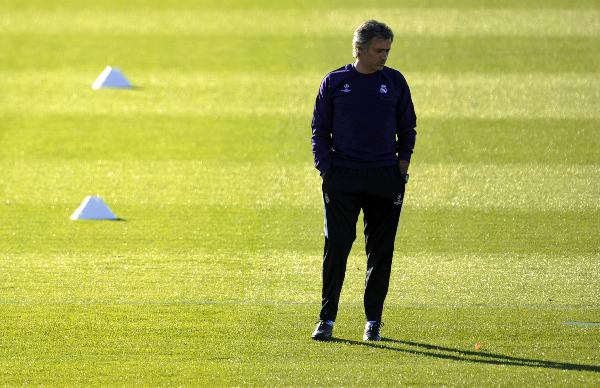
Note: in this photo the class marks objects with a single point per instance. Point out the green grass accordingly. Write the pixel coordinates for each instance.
(212, 277)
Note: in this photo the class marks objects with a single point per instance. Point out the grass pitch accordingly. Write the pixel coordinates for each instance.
(213, 276)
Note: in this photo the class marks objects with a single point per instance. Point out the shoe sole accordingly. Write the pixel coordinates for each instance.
(371, 339)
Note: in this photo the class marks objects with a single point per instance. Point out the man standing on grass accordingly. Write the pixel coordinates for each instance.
(363, 134)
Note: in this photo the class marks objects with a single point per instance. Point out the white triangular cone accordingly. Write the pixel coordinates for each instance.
(111, 77)
(93, 208)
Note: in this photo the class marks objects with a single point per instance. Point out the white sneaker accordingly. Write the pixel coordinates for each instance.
(372, 331)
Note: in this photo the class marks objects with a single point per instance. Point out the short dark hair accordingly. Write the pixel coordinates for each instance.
(367, 31)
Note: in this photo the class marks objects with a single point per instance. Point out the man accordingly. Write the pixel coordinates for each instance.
(363, 134)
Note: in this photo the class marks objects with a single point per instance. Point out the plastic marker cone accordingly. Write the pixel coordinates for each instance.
(93, 208)
(111, 77)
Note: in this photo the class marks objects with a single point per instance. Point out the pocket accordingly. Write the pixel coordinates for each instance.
(327, 178)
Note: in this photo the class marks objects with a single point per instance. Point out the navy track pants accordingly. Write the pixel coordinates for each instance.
(379, 192)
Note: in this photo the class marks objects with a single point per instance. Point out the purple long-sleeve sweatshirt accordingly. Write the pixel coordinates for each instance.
(363, 120)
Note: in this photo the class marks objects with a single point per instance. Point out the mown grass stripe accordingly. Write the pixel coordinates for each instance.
(435, 95)
(429, 54)
(165, 137)
(246, 185)
(308, 5)
(443, 22)
(425, 280)
(312, 304)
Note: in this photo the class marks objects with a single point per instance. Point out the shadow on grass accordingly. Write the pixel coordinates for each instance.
(444, 353)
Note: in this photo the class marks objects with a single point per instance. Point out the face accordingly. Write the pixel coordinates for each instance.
(375, 56)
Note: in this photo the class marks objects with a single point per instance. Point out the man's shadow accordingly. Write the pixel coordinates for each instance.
(481, 357)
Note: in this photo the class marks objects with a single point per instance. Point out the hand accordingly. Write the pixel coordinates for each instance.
(403, 166)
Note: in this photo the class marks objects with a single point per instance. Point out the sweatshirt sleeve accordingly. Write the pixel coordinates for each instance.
(407, 121)
(322, 128)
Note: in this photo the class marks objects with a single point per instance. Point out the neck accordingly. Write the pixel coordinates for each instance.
(361, 68)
